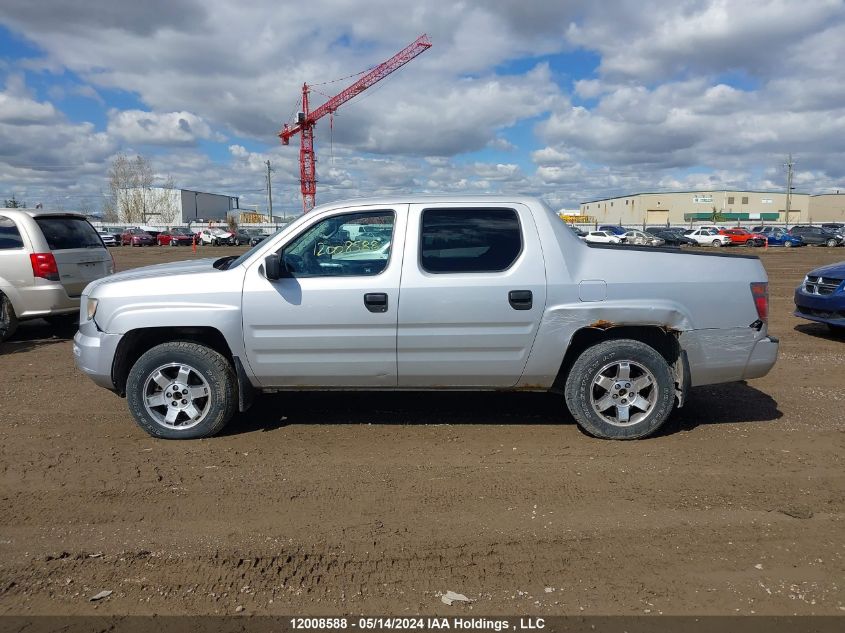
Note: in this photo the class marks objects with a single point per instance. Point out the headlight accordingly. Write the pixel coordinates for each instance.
(92, 308)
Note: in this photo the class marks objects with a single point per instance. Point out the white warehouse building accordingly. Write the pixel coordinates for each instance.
(159, 205)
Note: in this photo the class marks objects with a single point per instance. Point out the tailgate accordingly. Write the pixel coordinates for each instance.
(79, 267)
(80, 254)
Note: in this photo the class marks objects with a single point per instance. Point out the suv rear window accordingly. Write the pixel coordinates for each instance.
(9, 235)
(63, 233)
(469, 240)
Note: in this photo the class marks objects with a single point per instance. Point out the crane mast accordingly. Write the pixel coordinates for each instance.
(307, 119)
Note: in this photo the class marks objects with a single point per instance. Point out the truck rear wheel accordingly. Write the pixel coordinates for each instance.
(182, 390)
(621, 389)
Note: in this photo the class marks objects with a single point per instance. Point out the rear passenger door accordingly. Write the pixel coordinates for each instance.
(472, 293)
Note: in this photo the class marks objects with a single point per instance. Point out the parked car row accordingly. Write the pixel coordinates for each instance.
(179, 236)
(830, 235)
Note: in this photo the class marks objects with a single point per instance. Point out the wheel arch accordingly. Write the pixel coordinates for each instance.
(135, 342)
(664, 340)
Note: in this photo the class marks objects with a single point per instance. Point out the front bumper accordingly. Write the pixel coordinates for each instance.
(46, 299)
(828, 309)
(93, 353)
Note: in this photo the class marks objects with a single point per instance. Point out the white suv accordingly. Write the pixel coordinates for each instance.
(46, 260)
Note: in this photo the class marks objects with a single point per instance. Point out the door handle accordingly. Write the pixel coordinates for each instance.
(521, 299)
(376, 301)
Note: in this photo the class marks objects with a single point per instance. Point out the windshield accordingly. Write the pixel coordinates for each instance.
(245, 256)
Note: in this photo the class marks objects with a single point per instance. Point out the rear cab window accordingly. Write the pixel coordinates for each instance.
(68, 232)
(483, 240)
(10, 236)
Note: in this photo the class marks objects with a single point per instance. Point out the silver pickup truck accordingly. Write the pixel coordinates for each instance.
(427, 292)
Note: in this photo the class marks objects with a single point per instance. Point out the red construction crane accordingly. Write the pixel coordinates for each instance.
(306, 119)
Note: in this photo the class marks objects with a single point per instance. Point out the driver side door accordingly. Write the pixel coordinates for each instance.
(331, 321)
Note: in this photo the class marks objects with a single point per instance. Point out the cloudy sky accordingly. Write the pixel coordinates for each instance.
(571, 100)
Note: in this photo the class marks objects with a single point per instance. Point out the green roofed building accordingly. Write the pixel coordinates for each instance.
(724, 206)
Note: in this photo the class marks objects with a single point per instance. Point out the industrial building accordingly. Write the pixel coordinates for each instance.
(158, 205)
(684, 207)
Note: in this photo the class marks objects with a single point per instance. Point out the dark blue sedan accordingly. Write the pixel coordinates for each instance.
(776, 236)
(821, 296)
(616, 230)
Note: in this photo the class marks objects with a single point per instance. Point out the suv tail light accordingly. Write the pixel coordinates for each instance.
(44, 266)
(760, 293)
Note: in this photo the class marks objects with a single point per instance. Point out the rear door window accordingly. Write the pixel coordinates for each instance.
(63, 233)
(10, 237)
(469, 240)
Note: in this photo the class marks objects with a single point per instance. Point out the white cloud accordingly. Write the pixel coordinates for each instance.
(651, 39)
(684, 93)
(158, 128)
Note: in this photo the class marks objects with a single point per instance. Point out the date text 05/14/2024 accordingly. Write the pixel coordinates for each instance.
(418, 624)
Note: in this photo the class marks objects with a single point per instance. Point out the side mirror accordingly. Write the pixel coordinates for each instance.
(273, 267)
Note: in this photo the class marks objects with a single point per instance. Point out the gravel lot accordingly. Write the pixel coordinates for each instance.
(378, 503)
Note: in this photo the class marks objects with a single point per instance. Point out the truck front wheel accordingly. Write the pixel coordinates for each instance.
(182, 390)
(621, 389)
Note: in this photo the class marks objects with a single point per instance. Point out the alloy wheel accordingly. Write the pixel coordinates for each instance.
(623, 393)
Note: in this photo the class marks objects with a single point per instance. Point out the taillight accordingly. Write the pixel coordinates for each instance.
(760, 293)
(44, 266)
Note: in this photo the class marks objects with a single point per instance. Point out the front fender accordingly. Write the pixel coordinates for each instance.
(225, 317)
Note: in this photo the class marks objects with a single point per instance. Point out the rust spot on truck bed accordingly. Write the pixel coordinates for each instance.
(601, 324)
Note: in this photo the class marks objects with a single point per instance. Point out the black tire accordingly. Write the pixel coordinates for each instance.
(832, 242)
(581, 390)
(211, 366)
(8, 318)
(787, 244)
(717, 243)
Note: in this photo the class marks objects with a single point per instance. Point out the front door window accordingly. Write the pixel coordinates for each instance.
(353, 244)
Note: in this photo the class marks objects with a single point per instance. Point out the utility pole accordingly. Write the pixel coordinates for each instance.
(269, 189)
(789, 165)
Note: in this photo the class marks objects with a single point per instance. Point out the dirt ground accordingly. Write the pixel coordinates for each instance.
(378, 503)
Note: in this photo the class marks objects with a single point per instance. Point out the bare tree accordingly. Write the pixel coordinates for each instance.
(130, 181)
(109, 208)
